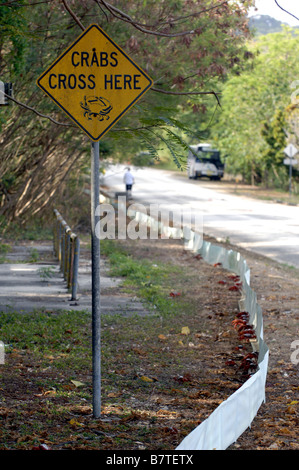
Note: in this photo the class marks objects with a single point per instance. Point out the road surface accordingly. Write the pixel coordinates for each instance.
(267, 228)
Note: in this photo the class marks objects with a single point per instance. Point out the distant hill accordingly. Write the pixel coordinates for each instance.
(264, 24)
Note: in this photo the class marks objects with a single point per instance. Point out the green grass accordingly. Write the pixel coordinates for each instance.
(152, 280)
(35, 230)
(46, 334)
(4, 248)
(46, 272)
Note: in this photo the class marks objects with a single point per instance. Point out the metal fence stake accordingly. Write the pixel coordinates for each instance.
(75, 268)
(66, 247)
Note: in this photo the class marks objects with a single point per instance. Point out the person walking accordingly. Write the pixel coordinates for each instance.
(129, 181)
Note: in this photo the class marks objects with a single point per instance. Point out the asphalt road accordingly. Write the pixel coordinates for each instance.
(267, 228)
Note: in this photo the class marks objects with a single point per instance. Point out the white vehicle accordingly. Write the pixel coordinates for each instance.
(203, 160)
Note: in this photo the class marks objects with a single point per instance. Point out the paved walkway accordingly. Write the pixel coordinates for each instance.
(26, 286)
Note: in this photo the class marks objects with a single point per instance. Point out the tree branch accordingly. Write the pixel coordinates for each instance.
(70, 11)
(37, 112)
(286, 10)
(144, 28)
(178, 93)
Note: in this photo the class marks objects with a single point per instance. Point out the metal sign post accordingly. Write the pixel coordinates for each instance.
(290, 178)
(96, 298)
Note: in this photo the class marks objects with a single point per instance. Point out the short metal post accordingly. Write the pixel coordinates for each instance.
(55, 235)
(70, 260)
(75, 268)
(290, 176)
(65, 253)
(62, 248)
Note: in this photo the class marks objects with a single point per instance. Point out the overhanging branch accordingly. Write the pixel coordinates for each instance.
(291, 14)
(73, 15)
(119, 14)
(37, 112)
(182, 93)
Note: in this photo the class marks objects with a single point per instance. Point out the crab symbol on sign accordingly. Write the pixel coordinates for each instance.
(96, 107)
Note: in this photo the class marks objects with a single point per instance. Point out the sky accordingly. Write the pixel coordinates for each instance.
(269, 7)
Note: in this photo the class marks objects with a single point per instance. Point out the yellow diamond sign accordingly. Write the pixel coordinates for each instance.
(94, 82)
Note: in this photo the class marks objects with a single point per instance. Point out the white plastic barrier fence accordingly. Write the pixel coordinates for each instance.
(234, 415)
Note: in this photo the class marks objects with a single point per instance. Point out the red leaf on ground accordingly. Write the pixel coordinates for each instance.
(174, 294)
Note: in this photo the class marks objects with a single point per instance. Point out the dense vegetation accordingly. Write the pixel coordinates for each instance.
(260, 111)
(187, 47)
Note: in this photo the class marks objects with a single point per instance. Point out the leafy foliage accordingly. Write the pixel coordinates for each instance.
(275, 137)
(251, 127)
(13, 38)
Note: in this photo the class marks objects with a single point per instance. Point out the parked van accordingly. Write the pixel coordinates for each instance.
(203, 160)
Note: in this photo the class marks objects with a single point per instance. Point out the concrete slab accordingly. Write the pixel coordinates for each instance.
(26, 287)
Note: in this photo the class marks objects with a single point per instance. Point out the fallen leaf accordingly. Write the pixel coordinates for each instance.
(81, 409)
(139, 351)
(73, 422)
(183, 378)
(146, 379)
(120, 371)
(77, 383)
(133, 416)
(185, 330)
(290, 410)
(41, 447)
(166, 413)
(50, 392)
(230, 362)
(284, 431)
(169, 430)
(162, 337)
(174, 294)
(114, 394)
